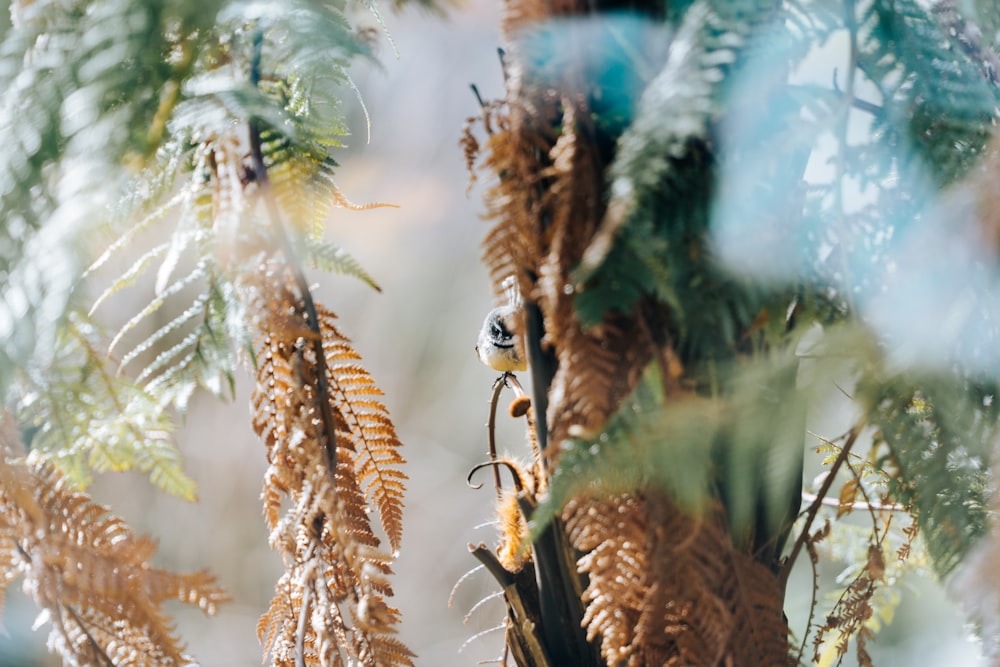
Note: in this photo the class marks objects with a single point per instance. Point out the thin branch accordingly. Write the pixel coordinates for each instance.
(857, 102)
(868, 507)
(817, 503)
(285, 245)
(860, 506)
(479, 97)
(502, 56)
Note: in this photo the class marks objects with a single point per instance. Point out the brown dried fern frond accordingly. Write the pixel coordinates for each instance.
(760, 626)
(572, 204)
(377, 461)
(330, 605)
(850, 617)
(668, 588)
(90, 573)
(611, 535)
(518, 154)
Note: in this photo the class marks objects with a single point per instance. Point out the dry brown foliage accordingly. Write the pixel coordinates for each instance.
(88, 571)
(665, 588)
(317, 410)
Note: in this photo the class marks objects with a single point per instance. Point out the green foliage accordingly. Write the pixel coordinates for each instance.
(662, 186)
(648, 440)
(937, 97)
(937, 435)
(713, 166)
(746, 439)
(79, 417)
(326, 256)
(87, 85)
(166, 89)
(282, 73)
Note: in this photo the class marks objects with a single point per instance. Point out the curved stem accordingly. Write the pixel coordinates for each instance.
(529, 415)
(491, 430)
(495, 464)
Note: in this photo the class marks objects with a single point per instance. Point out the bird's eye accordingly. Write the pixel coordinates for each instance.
(499, 330)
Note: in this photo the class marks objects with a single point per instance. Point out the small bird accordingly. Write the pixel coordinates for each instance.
(499, 346)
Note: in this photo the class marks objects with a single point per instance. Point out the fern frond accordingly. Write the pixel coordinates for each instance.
(326, 256)
(611, 535)
(198, 273)
(198, 343)
(378, 463)
(938, 437)
(189, 315)
(519, 152)
(761, 627)
(941, 95)
(90, 573)
(665, 588)
(652, 239)
(62, 56)
(334, 565)
(677, 455)
(131, 275)
(85, 418)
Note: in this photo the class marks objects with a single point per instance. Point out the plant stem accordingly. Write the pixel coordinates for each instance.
(285, 245)
(813, 510)
(491, 429)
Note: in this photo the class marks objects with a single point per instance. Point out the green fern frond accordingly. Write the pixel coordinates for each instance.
(648, 440)
(196, 308)
(326, 256)
(305, 49)
(938, 436)
(653, 239)
(129, 277)
(937, 95)
(197, 274)
(746, 441)
(84, 85)
(82, 418)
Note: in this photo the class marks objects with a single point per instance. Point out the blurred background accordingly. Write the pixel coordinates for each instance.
(417, 340)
